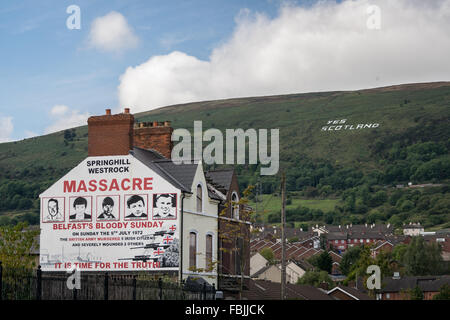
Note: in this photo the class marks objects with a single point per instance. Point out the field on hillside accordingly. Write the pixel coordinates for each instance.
(271, 204)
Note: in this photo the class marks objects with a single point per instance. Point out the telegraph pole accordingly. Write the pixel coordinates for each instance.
(256, 201)
(283, 236)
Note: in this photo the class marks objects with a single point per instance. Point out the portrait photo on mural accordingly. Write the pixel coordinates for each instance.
(136, 207)
(53, 209)
(80, 208)
(164, 206)
(108, 208)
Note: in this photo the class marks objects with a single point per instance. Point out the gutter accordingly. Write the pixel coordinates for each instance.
(181, 236)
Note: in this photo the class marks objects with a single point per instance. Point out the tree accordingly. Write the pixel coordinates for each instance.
(293, 240)
(399, 250)
(267, 253)
(444, 293)
(322, 261)
(350, 258)
(416, 293)
(15, 245)
(422, 259)
(236, 235)
(315, 278)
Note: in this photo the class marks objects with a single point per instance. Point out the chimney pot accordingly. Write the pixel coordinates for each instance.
(153, 135)
(108, 112)
(127, 110)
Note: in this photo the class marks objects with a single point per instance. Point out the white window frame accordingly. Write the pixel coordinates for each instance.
(196, 248)
(210, 233)
(203, 197)
(233, 208)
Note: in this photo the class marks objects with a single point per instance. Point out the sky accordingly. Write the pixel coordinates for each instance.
(60, 65)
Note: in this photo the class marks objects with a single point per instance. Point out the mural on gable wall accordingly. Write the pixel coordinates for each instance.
(110, 213)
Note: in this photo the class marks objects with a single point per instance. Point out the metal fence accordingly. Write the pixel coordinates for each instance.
(23, 284)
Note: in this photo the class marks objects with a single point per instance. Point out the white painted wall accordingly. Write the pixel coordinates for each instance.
(293, 272)
(257, 262)
(202, 223)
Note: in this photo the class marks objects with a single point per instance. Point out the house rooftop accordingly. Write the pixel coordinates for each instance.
(268, 290)
(425, 283)
(351, 292)
(179, 175)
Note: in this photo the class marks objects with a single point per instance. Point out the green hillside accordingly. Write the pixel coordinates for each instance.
(360, 167)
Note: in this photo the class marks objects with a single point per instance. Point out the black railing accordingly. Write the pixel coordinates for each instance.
(26, 284)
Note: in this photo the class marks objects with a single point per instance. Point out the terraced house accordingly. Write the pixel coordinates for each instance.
(127, 207)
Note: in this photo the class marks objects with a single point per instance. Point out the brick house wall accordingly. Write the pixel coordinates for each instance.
(154, 135)
(227, 265)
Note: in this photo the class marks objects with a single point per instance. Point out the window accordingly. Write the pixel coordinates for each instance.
(235, 206)
(367, 240)
(336, 241)
(199, 198)
(342, 241)
(209, 252)
(192, 250)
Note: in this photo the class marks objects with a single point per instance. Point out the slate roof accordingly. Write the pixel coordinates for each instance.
(425, 283)
(213, 193)
(303, 264)
(290, 232)
(336, 236)
(383, 228)
(268, 290)
(179, 175)
(262, 270)
(220, 178)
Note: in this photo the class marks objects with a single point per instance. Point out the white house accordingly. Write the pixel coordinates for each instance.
(129, 208)
(257, 262)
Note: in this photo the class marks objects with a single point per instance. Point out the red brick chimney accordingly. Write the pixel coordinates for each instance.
(110, 135)
(154, 135)
(323, 285)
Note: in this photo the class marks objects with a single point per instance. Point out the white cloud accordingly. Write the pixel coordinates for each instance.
(59, 110)
(64, 118)
(112, 33)
(327, 46)
(6, 129)
(170, 40)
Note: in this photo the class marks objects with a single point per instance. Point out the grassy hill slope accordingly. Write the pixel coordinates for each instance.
(407, 115)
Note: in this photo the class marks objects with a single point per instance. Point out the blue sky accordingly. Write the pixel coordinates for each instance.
(43, 64)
